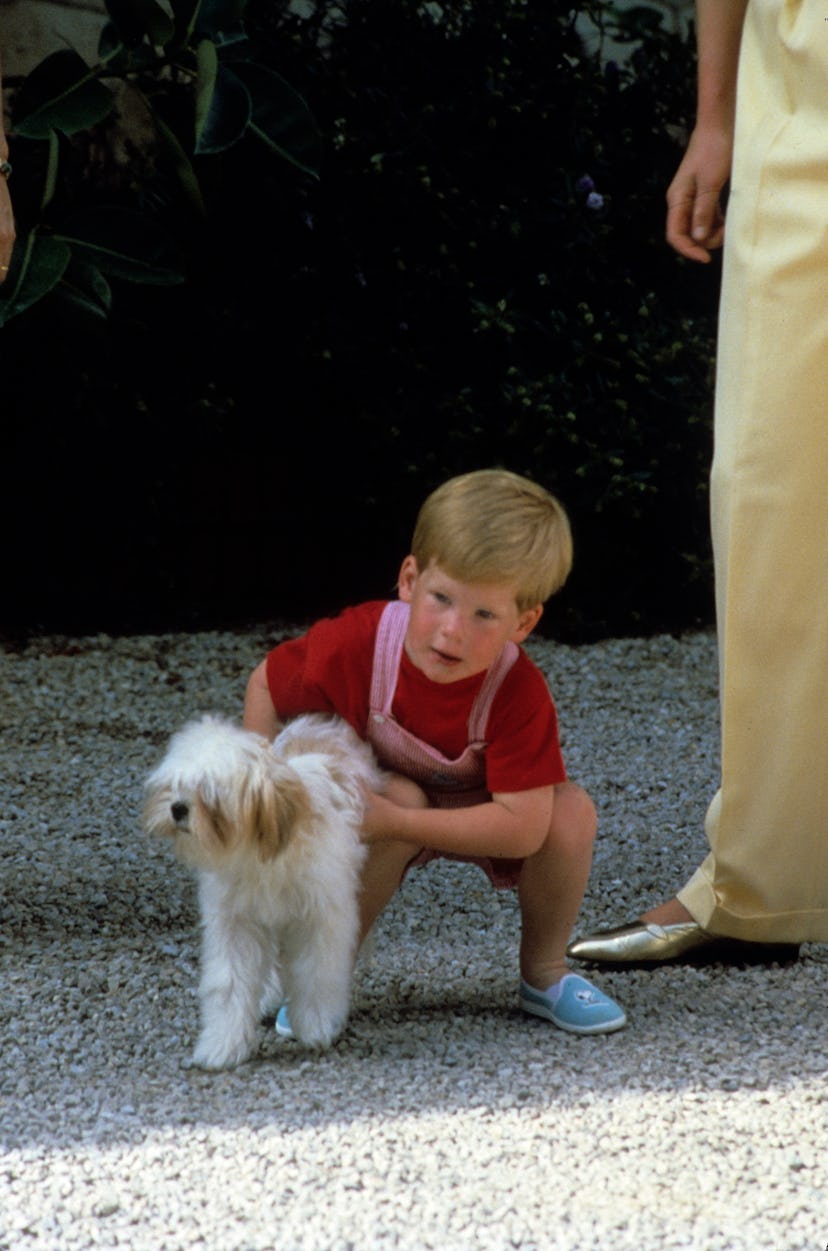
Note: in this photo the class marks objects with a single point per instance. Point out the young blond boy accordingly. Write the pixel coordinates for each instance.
(436, 681)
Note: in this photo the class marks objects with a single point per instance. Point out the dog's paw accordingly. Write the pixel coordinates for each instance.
(213, 1053)
(315, 1027)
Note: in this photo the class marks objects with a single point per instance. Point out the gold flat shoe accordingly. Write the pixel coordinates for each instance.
(642, 942)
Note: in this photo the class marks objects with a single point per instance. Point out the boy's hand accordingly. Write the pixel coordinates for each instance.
(513, 825)
(378, 821)
(386, 815)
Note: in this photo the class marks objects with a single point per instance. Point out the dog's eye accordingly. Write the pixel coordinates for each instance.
(179, 811)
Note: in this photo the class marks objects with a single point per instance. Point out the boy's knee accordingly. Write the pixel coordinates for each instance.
(574, 811)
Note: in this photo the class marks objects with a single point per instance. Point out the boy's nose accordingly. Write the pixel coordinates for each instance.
(452, 625)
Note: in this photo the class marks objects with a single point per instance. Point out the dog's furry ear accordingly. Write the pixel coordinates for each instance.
(213, 827)
(274, 808)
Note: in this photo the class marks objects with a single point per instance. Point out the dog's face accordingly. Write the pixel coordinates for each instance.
(218, 791)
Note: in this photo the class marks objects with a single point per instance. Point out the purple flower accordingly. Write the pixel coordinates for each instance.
(585, 185)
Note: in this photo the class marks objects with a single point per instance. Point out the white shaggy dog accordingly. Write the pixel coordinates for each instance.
(273, 831)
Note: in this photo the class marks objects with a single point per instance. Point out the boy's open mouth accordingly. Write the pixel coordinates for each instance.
(444, 657)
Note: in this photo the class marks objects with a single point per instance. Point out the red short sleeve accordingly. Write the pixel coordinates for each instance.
(328, 669)
(524, 750)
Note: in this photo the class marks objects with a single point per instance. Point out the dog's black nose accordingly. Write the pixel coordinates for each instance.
(179, 811)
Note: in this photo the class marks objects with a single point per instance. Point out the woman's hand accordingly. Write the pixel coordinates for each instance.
(695, 220)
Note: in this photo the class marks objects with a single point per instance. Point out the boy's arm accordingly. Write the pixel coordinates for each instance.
(259, 712)
(513, 825)
(695, 222)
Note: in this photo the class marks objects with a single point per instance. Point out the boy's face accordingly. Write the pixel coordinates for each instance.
(456, 628)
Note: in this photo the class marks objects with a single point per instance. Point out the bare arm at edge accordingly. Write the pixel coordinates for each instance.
(6, 214)
(695, 221)
(259, 712)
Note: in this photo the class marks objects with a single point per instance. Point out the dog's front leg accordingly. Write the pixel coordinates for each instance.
(232, 974)
(319, 959)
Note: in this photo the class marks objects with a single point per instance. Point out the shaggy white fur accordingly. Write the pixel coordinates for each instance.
(273, 832)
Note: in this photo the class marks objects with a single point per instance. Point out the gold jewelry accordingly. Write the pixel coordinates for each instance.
(3, 266)
(5, 170)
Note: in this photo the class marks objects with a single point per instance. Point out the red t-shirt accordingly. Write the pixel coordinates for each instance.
(329, 670)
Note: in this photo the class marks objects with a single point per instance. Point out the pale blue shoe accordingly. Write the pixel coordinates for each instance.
(283, 1026)
(574, 1004)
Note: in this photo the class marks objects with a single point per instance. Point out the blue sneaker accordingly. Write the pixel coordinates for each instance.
(574, 1004)
(283, 1026)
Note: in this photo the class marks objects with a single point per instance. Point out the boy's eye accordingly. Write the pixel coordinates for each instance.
(485, 614)
(441, 597)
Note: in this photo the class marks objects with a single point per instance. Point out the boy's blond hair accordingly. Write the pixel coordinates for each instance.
(494, 526)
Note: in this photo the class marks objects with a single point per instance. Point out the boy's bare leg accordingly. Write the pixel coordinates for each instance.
(552, 885)
(385, 863)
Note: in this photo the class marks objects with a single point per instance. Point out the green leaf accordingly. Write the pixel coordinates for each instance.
(111, 49)
(120, 60)
(124, 245)
(137, 19)
(50, 181)
(281, 118)
(185, 15)
(85, 288)
(61, 93)
(180, 162)
(223, 105)
(221, 20)
(38, 264)
(206, 67)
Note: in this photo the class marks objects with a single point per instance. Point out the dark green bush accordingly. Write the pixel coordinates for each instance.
(186, 80)
(479, 277)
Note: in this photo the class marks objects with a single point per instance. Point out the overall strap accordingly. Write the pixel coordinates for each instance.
(388, 647)
(479, 715)
(387, 653)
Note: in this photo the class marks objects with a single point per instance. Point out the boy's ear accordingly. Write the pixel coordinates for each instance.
(407, 579)
(527, 622)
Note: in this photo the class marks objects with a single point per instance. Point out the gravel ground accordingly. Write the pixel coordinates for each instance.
(442, 1118)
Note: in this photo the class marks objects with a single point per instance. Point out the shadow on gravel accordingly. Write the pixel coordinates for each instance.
(98, 929)
(96, 1044)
